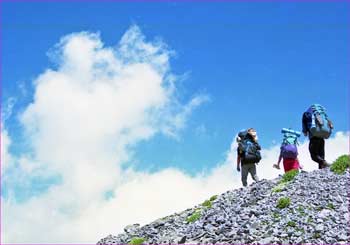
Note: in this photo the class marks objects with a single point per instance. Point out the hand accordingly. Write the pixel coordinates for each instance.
(301, 166)
(305, 133)
(238, 169)
(330, 124)
(276, 166)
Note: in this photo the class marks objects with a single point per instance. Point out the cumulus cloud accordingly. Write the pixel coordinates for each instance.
(85, 119)
(5, 156)
(7, 108)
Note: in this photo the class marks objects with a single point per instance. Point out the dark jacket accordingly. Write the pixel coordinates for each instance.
(306, 122)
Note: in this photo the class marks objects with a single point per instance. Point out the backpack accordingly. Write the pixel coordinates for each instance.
(249, 148)
(289, 144)
(320, 125)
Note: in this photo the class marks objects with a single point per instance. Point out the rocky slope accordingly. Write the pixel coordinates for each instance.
(318, 213)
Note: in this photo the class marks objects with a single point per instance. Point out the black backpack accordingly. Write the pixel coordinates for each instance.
(250, 150)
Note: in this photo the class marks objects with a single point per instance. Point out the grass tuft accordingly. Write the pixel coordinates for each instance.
(283, 202)
(291, 224)
(137, 240)
(194, 217)
(289, 176)
(341, 164)
(207, 204)
(213, 198)
(280, 187)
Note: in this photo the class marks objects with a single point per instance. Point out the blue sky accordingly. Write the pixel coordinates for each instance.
(261, 64)
(257, 64)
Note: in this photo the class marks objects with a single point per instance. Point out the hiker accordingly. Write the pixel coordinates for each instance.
(318, 127)
(248, 153)
(288, 164)
(289, 150)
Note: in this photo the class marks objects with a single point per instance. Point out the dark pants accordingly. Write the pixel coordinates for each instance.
(246, 169)
(316, 148)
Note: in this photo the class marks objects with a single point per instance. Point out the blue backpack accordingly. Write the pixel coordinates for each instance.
(289, 144)
(320, 125)
(251, 153)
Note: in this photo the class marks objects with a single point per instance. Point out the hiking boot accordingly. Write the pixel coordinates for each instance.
(325, 165)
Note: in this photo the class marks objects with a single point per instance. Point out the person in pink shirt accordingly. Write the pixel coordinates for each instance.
(289, 150)
(288, 163)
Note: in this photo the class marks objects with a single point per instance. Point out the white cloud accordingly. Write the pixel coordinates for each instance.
(7, 108)
(5, 155)
(139, 198)
(83, 123)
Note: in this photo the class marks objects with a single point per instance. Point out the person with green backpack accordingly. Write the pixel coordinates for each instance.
(318, 127)
(248, 154)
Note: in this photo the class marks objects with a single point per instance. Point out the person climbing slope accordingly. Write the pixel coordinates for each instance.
(289, 150)
(248, 154)
(318, 127)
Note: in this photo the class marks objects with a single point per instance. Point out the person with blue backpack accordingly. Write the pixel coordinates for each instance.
(289, 151)
(318, 127)
(248, 154)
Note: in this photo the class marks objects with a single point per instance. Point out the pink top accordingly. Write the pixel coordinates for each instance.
(290, 164)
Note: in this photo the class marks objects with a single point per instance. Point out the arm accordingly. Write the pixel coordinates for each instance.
(278, 162)
(238, 161)
(279, 159)
(305, 121)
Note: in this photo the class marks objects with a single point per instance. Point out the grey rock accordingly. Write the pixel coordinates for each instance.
(319, 228)
(249, 216)
(343, 237)
(254, 225)
(266, 240)
(324, 213)
(182, 240)
(299, 240)
(132, 229)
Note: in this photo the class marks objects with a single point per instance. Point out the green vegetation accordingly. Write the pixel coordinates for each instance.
(194, 217)
(299, 229)
(318, 208)
(276, 215)
(291, 223)
(137, 240)
(283, 202)
(330, 206)
(301, 210)
(286, 178)
(264, 222)
(213, 198)
(289, 176)
(316, 235)
(279, 187)
(207, 204)
(341, 164)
